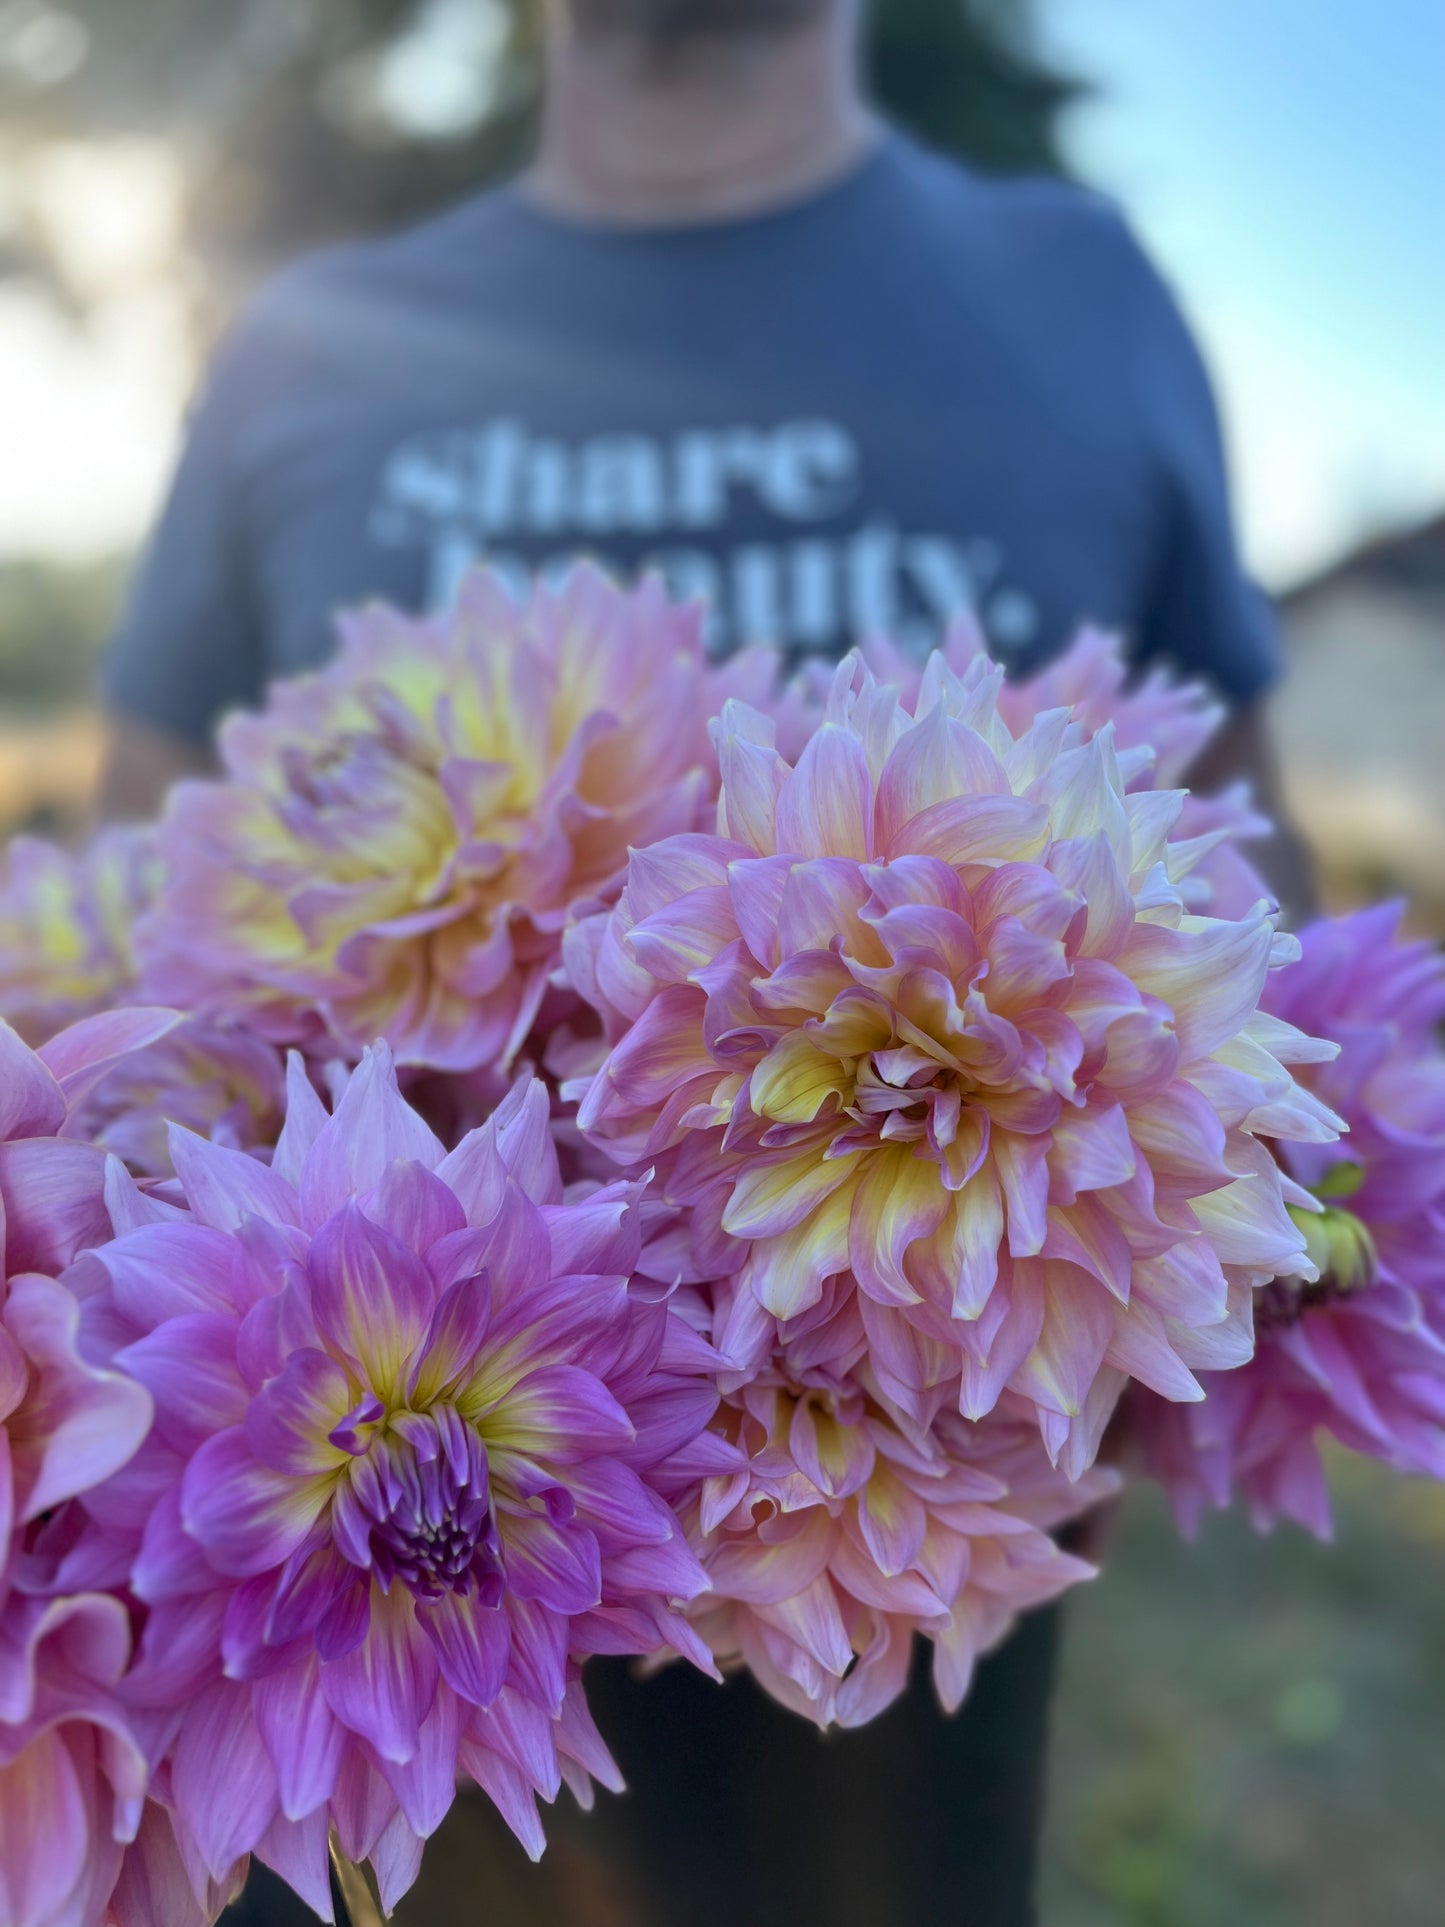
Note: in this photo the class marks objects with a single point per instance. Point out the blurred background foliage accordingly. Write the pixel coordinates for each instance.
(304, 119)
(299, 121)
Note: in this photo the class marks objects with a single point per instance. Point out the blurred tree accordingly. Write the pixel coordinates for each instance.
(302, 119)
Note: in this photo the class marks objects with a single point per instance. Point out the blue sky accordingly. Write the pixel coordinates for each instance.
(1285, 162)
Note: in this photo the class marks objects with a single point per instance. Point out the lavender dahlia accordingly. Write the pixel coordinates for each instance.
(929, 1044)
(1359, 1353)
(399, 839)
(412, 1429)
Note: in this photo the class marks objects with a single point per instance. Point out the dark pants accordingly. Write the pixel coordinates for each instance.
(740, 1813)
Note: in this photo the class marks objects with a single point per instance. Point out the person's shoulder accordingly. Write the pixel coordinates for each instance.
(1059, 225)
(332, 295)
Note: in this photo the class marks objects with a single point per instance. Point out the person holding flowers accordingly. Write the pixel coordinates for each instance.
(732, 326)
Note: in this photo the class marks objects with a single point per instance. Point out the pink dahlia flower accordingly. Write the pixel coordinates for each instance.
(66, 927)
(52, 1184)
(66, 952)
(73, 1776)
(1359, 1353)
(927, 1040)
(843, 1533)
(399, 839)
(1160, 727)
(412, 1431)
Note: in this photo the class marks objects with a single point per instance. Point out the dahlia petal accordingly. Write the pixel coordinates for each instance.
(162, 1271)
(45, 1832)
(521, 1129)
(301, 1737)
(787, 1273)
(372, 1127)
(673, 943)
(976, 830)
(396, 1861)
(288, 1424)
(559, 1412)
(769, 1199)
(79, 1424)
(225, 1786)
(660, 1052)
(1141, 1346)
(169, 1561)
(458, 1328)
(372, 1297)
(820, 903)
(383, 1690)
(1093, 1149)
(756, 890)
(893, 1520)
(797, 1080)
(811, 1618)
(557, 1566)
(1022, 1167)
(188, 1365)
(987, 1368)
(765, 1574)
(825, 805)
(223, 1188)
(1210, 973)
(509, 1793)
(539, 1651)
(54, 1202)
(753, 775)
(247, 1517)
(1079, 1324)
(898, 1201)
(298, 1850)
(416, 1207)
(838, 1457)
(931, 764)
(32, 1104)
(306, 1592)
(473, 1644)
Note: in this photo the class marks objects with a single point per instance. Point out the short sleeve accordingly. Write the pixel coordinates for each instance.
(1203, 614)
(189, 647)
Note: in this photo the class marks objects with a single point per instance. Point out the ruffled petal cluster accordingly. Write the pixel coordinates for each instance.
(413, 1434)
(841, 1531)
(1160, 728)
(928, 1043)
(1359, 1353)
(399, 839)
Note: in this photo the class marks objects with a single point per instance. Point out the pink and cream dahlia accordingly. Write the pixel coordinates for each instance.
(412, 1431)
(843, 1533)
(928, 1042)
(399, 839)
(1359, 1352)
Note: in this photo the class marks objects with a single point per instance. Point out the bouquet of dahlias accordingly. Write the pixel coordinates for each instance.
(567, 1149)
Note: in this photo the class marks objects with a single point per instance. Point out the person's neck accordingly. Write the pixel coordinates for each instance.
(709, 131)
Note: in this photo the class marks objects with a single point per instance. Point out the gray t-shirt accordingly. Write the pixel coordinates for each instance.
(917, 392)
